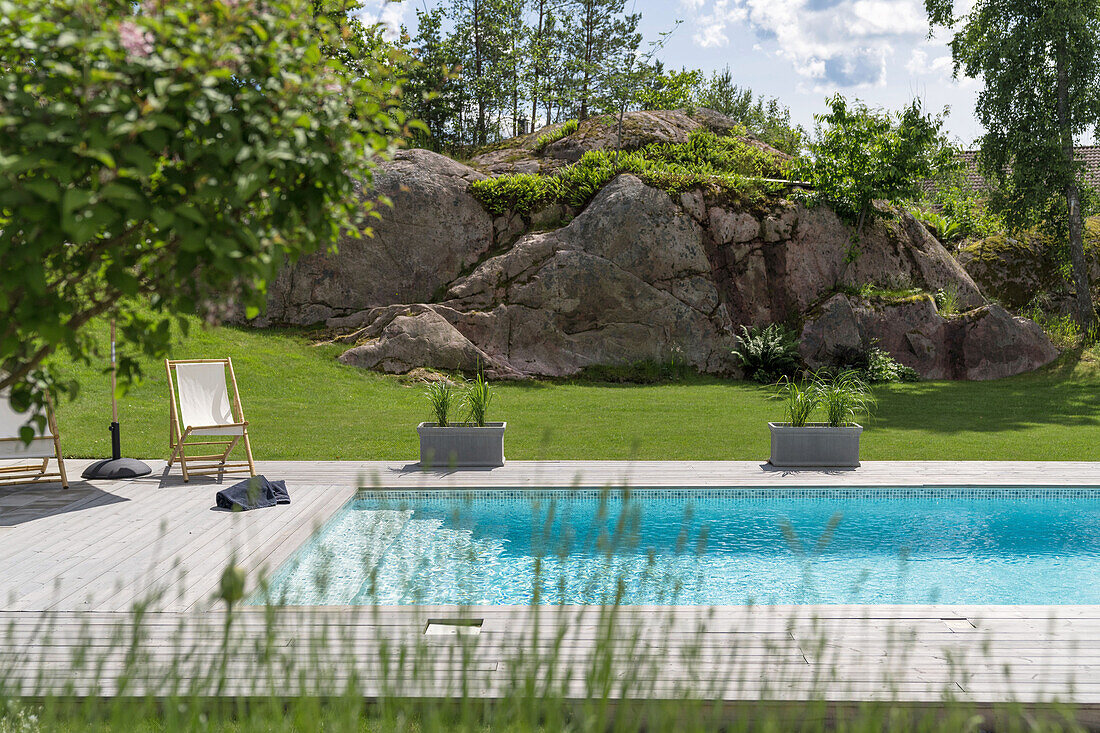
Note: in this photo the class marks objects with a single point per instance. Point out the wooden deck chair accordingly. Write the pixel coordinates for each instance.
(200, 408)
(12, 448)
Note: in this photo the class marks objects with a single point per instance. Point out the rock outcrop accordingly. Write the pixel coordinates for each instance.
(984, 343)
(434, 231)
(638, 274)
(627, 280)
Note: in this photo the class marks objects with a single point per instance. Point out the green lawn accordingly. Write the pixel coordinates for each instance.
(302, 404)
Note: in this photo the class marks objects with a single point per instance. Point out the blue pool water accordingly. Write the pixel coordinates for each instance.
(704, 547)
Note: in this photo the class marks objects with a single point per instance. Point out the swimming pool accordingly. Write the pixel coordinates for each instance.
(733, 546)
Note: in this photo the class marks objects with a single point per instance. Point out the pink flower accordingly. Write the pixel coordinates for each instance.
(138, 43)
(333, 87)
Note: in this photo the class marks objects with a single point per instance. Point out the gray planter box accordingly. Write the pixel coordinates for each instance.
(816, 445)
(461, 445)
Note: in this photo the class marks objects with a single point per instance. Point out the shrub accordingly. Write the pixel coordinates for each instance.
(520, 192)
(767, 354)
(947, 300)
(704, 161)
(861, 155)
(169, 151)
(646, 371)
(954, 198)
(885, 369)
(872, 364)
(705, 151)
(1060, 328)
(946, 230)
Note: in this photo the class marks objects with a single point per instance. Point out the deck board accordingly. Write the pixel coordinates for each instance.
(73, 563)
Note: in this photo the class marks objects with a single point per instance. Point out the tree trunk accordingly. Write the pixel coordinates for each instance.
(538, 51)
(479, 134)
(1084, 311)
(589, 40)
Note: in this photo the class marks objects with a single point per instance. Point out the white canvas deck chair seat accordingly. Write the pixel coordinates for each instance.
(203, 415)
(14, 453)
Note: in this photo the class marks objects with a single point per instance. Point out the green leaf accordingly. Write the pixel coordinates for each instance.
(44, 188)
(74, 198)
(191, 213)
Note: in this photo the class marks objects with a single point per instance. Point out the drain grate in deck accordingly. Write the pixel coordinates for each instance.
(453, 626)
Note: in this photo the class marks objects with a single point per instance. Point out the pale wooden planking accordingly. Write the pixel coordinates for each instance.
(103, 545)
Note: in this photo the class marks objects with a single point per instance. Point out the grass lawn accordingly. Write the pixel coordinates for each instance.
(302, 404)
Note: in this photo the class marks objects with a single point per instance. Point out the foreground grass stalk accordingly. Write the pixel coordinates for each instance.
(601, 667)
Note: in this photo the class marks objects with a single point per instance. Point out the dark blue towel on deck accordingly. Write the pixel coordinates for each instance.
(254, 493)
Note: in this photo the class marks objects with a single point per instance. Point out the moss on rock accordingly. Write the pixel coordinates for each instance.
(1014, 269)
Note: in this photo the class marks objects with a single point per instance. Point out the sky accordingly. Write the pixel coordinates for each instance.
(802, 51)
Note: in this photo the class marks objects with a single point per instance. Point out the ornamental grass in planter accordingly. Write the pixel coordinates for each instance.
(833, 443)
(472, 443)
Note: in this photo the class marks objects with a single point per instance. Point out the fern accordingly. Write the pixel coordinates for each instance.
(767, 354)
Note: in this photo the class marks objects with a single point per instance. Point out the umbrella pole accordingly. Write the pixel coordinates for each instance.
(115, 467)
(116, 437)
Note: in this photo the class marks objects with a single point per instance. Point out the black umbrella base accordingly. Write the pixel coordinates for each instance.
(116, 468)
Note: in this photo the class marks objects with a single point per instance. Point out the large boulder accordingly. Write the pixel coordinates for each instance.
(399, 339)
(773, 264)
(627, 280)
(984, 343)
(1017, 269)
(434, 231)
(642, 275)
(637, 274)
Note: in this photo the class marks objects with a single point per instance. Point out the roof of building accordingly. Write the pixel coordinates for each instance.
(1089, 155)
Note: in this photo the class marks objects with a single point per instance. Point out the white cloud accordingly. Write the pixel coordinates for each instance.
(391, 14)
(943, 65)
(711, 27)
(831, 43)
(919, 64)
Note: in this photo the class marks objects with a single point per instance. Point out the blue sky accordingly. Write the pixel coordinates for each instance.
(802, 51)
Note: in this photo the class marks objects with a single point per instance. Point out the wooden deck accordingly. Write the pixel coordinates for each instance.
(73, 563)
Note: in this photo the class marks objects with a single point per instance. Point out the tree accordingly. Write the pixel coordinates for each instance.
(862, 155)
(481, 24)
(556, 91)
(660, 89)
(602, 31)
(514, 59)
(541, 38)
(173, 152)
(432, 93)
(632, 79)
(1040, 63)
(766, 118)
